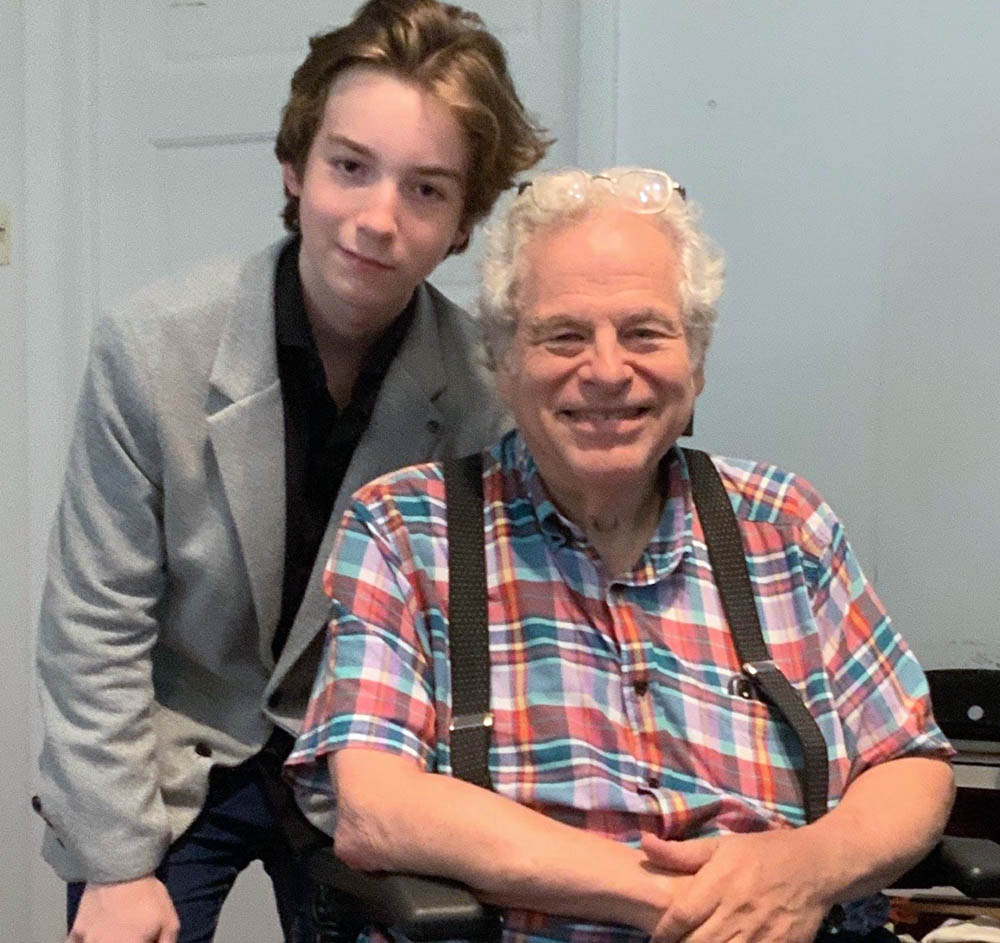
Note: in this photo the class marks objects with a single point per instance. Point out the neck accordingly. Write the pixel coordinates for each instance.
(618, 523)
(341, 352)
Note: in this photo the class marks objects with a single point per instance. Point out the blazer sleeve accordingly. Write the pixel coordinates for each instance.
(99, 622)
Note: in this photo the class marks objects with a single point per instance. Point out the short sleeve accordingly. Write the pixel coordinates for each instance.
(880, 690)
(374, 686)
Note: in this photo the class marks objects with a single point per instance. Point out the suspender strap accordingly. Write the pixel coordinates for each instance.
(468, 631)
(725, 552)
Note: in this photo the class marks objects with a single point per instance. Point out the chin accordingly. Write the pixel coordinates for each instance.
(602, 473)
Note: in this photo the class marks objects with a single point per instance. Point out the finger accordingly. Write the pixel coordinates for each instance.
(713, 930)
(672, 928)
(681, 921)
(169, 932)
(684, 857)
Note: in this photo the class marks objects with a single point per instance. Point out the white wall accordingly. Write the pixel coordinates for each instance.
(846, 157)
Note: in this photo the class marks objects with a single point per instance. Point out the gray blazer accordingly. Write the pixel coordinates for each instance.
(165, 563)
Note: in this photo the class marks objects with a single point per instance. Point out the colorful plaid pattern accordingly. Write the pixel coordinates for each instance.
(613, 699)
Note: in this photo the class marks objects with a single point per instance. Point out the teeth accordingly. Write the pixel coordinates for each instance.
(607, 414)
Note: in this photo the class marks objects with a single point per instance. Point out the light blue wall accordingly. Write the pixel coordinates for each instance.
(847, 157)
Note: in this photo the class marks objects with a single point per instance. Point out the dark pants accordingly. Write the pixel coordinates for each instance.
(237, 825)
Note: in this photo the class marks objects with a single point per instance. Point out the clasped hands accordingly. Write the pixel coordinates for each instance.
(765, 887)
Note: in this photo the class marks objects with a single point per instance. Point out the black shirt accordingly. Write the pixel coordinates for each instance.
(319, 439)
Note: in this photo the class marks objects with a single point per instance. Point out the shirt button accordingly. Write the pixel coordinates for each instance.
(653, 782)
(202, 749)
(640, 687)
(36, 804)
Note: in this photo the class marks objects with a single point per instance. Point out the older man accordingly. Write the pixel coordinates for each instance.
(636, 792)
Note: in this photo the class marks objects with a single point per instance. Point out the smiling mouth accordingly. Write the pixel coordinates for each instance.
(622, 413)
(365, 261)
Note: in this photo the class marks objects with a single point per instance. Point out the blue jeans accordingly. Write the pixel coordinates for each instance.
(236, 826)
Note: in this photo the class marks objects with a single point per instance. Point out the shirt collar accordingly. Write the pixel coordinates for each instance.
(670, 543)
(294, 335)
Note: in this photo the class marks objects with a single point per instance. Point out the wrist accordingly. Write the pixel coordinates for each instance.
(652, 894)
(124, 882)
(825, 852)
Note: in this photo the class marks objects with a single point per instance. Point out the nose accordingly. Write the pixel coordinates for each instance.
(607, 365)
(378, 214)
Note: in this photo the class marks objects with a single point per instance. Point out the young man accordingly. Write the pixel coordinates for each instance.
(224, 420)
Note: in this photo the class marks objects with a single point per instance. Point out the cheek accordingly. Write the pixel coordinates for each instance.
(434, 241)
(504, 383)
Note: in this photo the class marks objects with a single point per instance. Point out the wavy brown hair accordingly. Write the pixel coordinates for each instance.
(443, 49)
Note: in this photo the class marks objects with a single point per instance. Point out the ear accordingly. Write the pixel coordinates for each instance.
(461, 240)
(699, 380)
(291, 179)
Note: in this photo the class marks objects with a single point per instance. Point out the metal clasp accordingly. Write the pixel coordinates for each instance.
(471, 721)
(754, 668)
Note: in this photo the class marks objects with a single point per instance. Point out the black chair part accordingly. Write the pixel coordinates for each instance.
(421, 909)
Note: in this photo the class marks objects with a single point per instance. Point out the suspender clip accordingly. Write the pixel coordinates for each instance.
(753, 669)
(471, 721)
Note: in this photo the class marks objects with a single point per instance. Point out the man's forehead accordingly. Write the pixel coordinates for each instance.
(605, 262)
(605, 226)
(395, 120)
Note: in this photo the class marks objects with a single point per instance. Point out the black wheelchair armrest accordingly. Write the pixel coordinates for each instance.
(421, 909)
(972, 865)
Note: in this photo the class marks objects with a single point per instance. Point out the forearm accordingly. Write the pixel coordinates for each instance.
(887, 820)
(393, 817)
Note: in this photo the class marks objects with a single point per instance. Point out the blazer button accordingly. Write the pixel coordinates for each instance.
(202, 749)
(433, 425)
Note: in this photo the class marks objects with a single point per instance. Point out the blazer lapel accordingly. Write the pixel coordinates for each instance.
(246, 430)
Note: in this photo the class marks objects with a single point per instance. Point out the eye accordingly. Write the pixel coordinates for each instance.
(428, 191)
(648, 335)
(348, 167)
(565, 343)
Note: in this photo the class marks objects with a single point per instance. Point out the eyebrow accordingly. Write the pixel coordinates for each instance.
(537, 324)
(653, 314)
(430, 170)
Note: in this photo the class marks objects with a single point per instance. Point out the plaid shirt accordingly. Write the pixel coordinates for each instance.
(612, 696)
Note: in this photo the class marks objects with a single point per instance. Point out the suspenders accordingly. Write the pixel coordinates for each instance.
(468, 626)
(468, 632)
